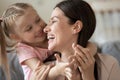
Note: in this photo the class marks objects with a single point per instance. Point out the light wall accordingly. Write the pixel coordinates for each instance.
(44, 7)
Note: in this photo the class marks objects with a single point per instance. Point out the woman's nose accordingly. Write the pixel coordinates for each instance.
(46, 29)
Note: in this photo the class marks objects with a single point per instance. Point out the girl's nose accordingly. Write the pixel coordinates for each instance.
(38, 28)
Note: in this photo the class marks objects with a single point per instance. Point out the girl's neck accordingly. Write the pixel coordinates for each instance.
(43, 45)
(40, 45)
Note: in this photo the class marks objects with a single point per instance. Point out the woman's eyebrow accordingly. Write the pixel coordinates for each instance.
(54, 17)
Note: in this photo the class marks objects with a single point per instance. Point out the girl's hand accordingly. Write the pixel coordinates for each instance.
(61, 70)
(85, 61)
(58, 71)
(40, 72)
(71, 71)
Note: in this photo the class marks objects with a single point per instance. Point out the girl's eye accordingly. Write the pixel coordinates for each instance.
(37, 21)
(29, 28)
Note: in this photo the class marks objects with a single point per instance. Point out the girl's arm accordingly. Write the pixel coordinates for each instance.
(32, 62)
(40, 72)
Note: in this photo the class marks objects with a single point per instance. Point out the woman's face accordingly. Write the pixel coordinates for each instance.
(59, 31)
(30, 27)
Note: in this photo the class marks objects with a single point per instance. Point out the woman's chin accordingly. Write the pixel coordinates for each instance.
(51, 48)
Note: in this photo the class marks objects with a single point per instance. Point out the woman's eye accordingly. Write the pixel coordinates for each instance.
(52, 22)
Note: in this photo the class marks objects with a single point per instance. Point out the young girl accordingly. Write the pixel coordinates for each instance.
(23, 26)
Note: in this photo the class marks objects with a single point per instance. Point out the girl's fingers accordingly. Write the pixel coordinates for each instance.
(45, 73)
(68, 76)
(37, 73)
(58, 59)
(89, 56)
(83, 57)
(79, 52)
(72, 64)
(41, 75)
(80, 61)
(73, 45)
(85, 51)
(37, 65)
(40, 71)
(68, 73)
(70, 58)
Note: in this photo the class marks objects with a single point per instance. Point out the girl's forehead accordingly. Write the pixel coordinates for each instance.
(27, 19)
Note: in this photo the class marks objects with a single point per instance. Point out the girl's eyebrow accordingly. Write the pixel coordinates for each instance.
(37, 17)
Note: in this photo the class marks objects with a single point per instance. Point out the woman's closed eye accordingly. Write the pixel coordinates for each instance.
(52, 22)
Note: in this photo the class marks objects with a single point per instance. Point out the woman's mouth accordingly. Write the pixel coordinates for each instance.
(50, 38)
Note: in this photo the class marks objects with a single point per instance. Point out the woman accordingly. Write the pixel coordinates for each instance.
(73, 21)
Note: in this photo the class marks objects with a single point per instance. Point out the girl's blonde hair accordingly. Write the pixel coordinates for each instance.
(7, 24)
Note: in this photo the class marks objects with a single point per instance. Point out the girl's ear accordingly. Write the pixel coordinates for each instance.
(77, 27)
(15, 37)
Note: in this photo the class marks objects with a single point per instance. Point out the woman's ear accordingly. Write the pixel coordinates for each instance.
(77, 27)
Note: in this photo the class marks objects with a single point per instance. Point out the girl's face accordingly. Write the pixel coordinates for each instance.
(59, 31)
(29, 27)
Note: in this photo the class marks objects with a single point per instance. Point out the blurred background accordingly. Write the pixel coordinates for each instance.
(106, 36)
(107, 15)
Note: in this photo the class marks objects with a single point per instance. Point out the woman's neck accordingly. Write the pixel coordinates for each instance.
(66, 53)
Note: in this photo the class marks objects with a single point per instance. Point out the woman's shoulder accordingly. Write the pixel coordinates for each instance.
(107, 62)
(108, 66)
(107, 58)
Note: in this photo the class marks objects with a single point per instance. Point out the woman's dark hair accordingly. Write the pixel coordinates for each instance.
(80, 10)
